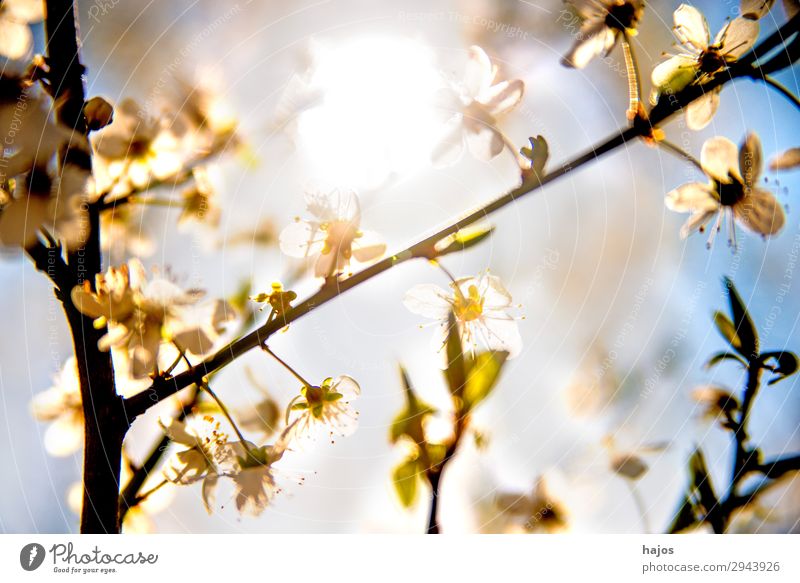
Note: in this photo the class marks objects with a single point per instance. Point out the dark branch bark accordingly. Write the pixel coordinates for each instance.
(105, 424)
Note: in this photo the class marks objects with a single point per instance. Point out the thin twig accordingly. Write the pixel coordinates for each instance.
(680, 153)
(783, 90)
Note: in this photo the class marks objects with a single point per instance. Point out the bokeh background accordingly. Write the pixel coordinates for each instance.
(617, 308)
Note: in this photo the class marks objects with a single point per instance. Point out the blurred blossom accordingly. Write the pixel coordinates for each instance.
(135, 149)
(365, 110)
(264, 416)
(332, 234)
(203, 116)
(200, 200)
(700, 60)
(603, 23)
(22, 106)
(476, 103)
(15, 18)
(537, 512)
(141, 314)
(481, 307)
(717, 402)
(123, 234)
(61, 406)
(40, 201)
(732, 192)
(788, 160)
(756, 9)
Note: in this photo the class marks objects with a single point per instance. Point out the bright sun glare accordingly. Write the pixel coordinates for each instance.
(376, 118)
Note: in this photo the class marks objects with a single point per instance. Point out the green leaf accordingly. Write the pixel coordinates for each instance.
(745, 329)
(722, 356)
(436, 453)
(728, 331)
(702, 485)
(409, 422)
(786, 364)
(537, 152)
(463, 239)
(405, 477)
(455, 373)
(684, 517)
(483, 373)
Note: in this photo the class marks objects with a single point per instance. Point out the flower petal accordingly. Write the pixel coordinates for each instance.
(692, 197)
(301, 239)
(593, 41)
(674, 74)
(760, 212)
(428, 300)
(450, 146)
(750, 163)
(755, 9)
(696, 221)
(21, 219)
(788, 160)
(720, 159)
(700, 112)
(479, 72)
(17, 39)
(485, 144)
(691, 27)
(504, 96)
(64, 436)
(368, 247)
(347, 387)
(737, 37)
(501, 332)
(210, 491)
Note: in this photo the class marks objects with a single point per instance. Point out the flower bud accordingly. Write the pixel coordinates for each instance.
(98, 113)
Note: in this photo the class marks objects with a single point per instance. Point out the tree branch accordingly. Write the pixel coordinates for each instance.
(667, 107)
(104, 424)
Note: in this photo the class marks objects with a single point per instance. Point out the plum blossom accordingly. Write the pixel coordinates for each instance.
(62, 407)
(477, 103)
(30, 135)
(254, 478)
(788, 160)
(716, 402)
(732, 191)
(200, 200)
(332, 234)
(480, 305)
(537, 512)
(326, 408)
(135, 149)
(40, 201)
(15, 18)
(603, 23)
(756, 9)
(208, 454)
(700, 60)
(142, 314)
(202, 116)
